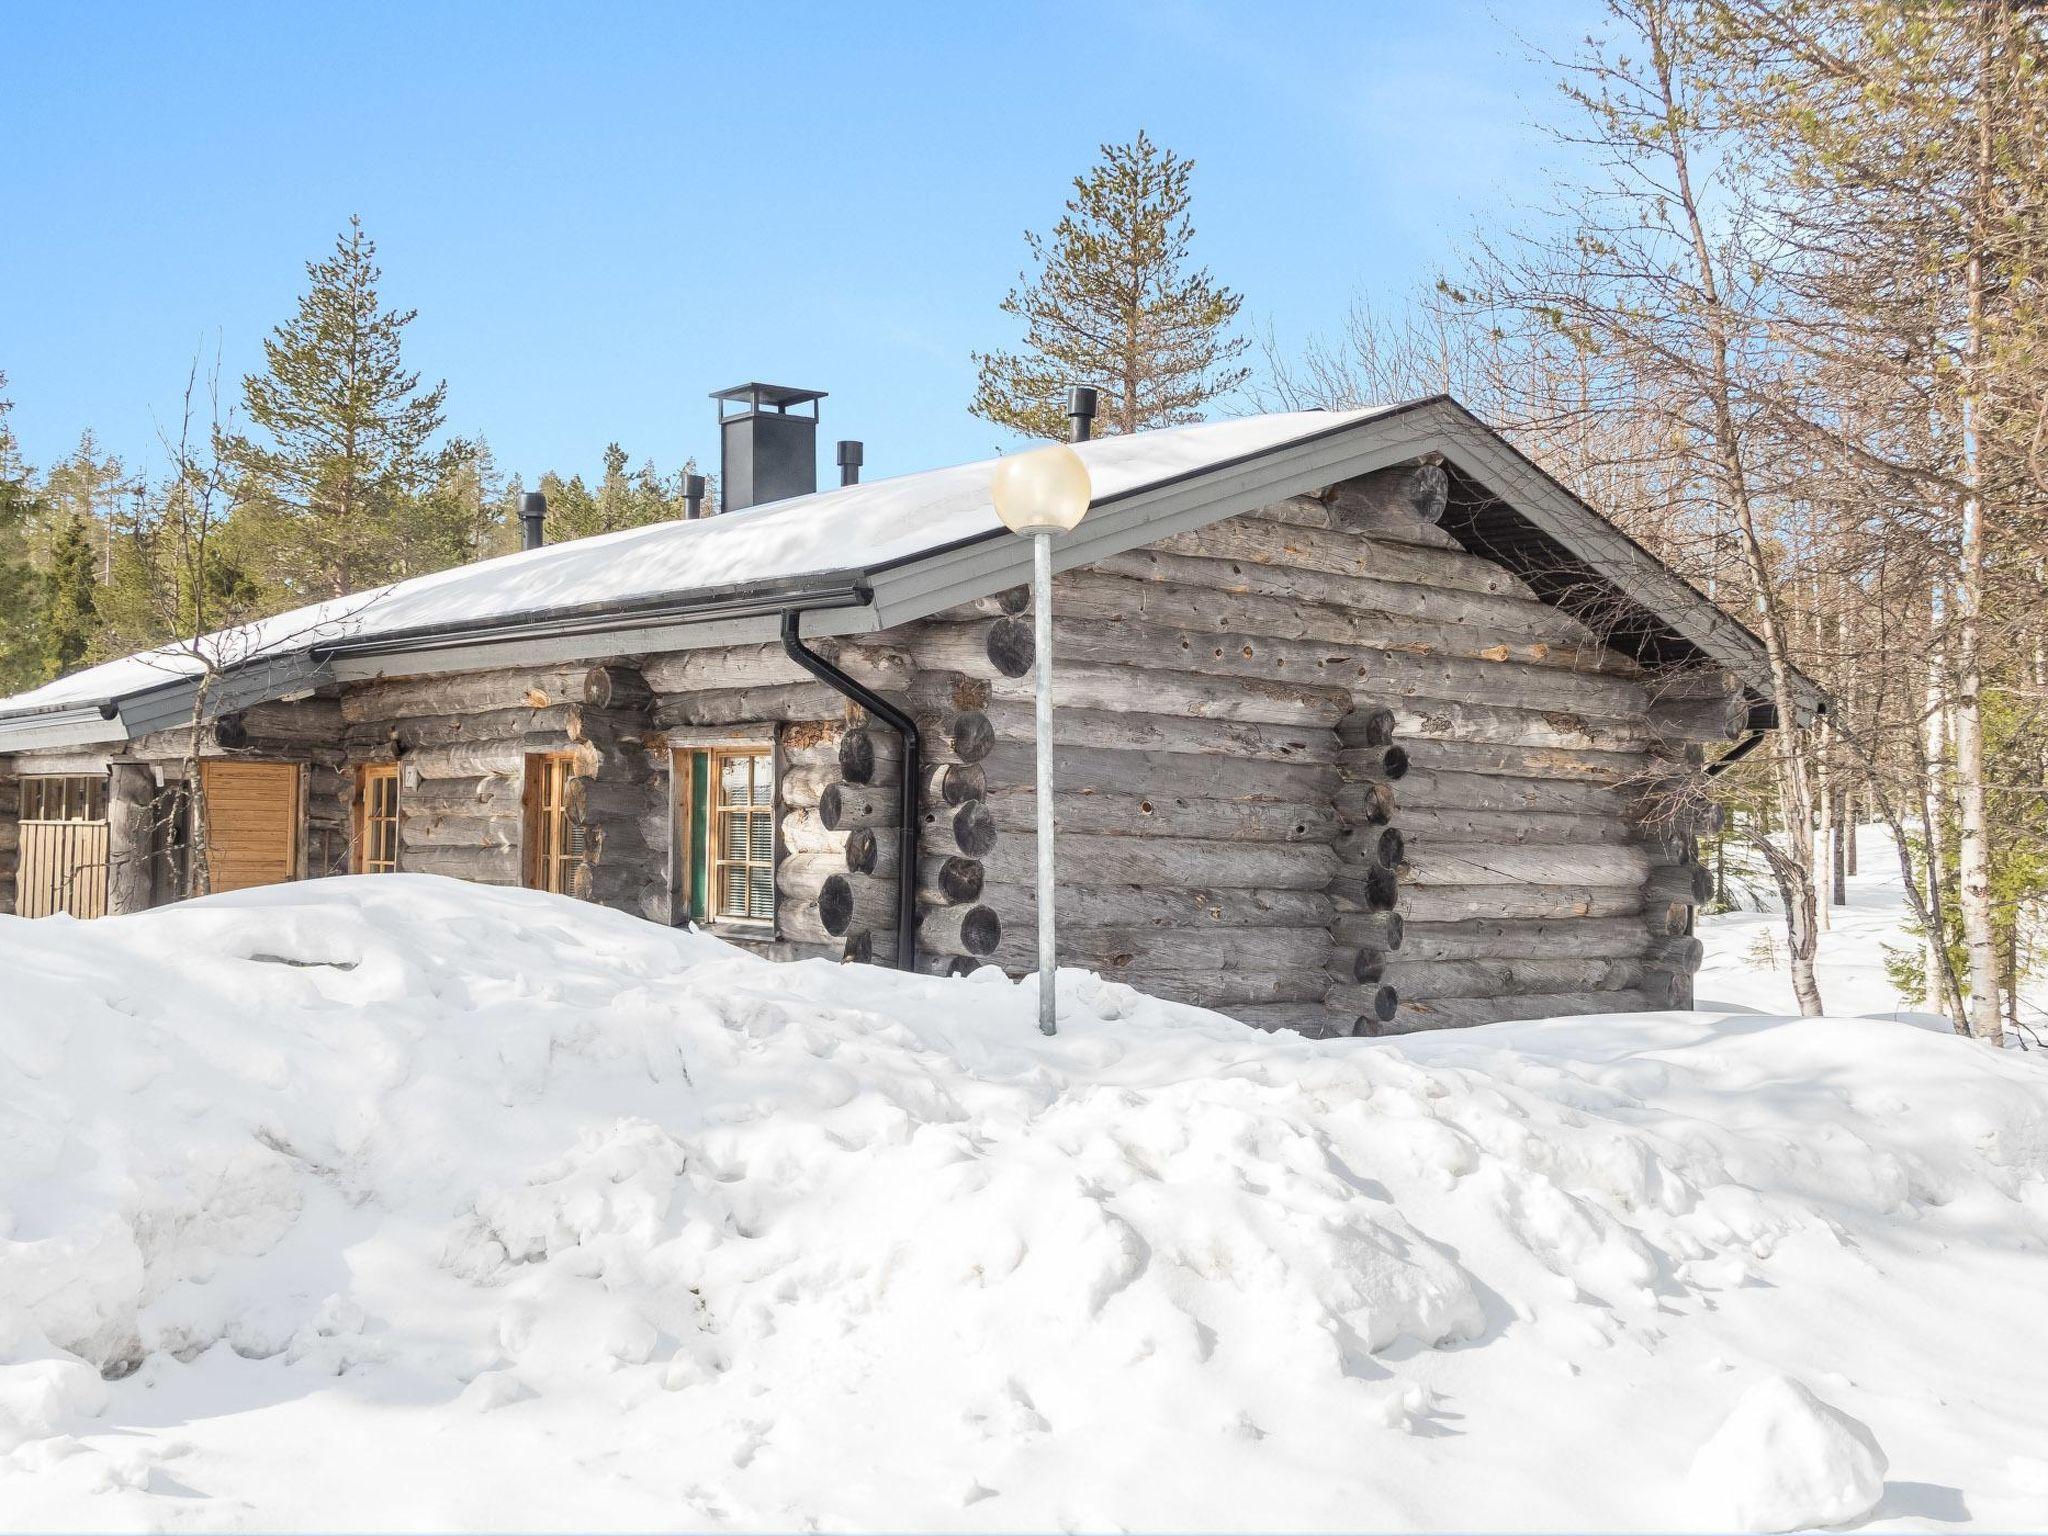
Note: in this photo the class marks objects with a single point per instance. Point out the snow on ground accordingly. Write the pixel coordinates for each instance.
(396, 1203)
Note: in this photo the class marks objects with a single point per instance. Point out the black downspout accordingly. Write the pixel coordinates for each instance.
(1736, 753)
(904, 726)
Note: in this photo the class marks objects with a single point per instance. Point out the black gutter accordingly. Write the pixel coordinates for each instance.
(904, 726)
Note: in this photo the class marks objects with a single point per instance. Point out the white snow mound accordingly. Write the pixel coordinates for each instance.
(393, 1201)
(1785, 1460)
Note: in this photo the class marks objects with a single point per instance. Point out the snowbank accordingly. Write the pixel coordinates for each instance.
(393, 1202)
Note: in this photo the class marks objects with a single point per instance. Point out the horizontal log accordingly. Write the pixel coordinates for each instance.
(953, 783)
(1373, 765)
(1384, 846)
(1361, 964)
(1688, 883)
(962, 930)
(1667, 919)
(800, 877)
(1416, 493)
(842, 807)
(874, 754)
(1619, 938)
(996, 605)
(452, 831)
(1683, 954)
(1118, 771)
(1458, 903)
(1226, 991)
(1187, 862)
(522, 728)
(1537, 636)
(470, 760)
(1002, 646)
(1134, 730)
(1016, 810)
(1566, 763)
(1704, 720)
(936, 691)
(1432, 863)
(1455, 720)
(453, 693)
(1163, 689)
(809, 701)
(486, 866)
(1426, 788)
(1455, 1012)
(1369, 930)
(1424, 825)
(927, 965)
(1123, 953)
(846, 902)
(1420, 980)
(1370, 725)
(1376, 1001)
(723, 668)
(950, 882)
(801, 923)
(1364, 888)
(1340, 553)
(590, 801)
(1365, 804)
(617, 687)
(1089, 906)
(804, 832)
(299, 723)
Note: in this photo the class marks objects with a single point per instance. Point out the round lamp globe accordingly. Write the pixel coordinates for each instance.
(1043, 491)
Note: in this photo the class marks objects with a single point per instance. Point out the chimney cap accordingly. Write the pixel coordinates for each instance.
(756, 395)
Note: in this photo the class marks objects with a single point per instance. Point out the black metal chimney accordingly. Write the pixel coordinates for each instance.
(765, 452)
(851, 455)
(533, 517)
(693, 497)
(1080, 413)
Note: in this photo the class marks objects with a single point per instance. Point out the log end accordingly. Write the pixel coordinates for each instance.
(973, 737)
(863, 851)
(857, 759)
(835, 904)
(1012, 649)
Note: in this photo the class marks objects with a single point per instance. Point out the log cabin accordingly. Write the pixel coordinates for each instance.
(1363, 725)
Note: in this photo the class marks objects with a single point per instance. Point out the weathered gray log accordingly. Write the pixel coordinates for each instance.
(1419, 719)
(967, 830)
(131, 798)
(725, 667)
(1373, 765)
(846, 902)
(936, 965)
(299, 723)
(1370, 726)
(1454, 1012)
(1163, 906)
(1291, 630)
(485, 865)
(1683, 954)
(842, 807)
(1422, 980)
(1705, 720)
(408, 698)
(1111, 861)
(1679, 813)
(1362, 964)
(953, 783)
(534, 729)
(1692, 884)
(1374, 1000)
(1343, 554)
(1077, 685)
(810, 743)
(1424, 788)
(962, 930)
(1365, 803)
(1016, 810)
(1011, 600)
(617, 687)
(1311, 1019)
(470, 760)
(801, 876)
(1370, 930)
(949, 882)
(874, 754)
(801, 922)
(1003, 646)
(1458, 903)
(1125, 952)
(1364, 888)
(935, 691)
(1385, 846)
(1387, 499)
(1227, 991)
(451, 831)
(749, 706)
(1137, 731)
(804, 832)
(590, 801)
(1573, 763)
(1439, 863)
(1079, 770)
(1424, 825)
(1508, 617)
(1618, 938)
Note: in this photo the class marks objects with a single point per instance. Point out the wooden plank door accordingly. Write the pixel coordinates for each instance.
(252, 823)
(63, 856)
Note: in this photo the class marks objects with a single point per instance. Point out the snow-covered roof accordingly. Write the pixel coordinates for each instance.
(861, 557)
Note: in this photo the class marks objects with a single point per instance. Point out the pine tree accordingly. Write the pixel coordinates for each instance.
(348, 454)
(91, 484)
(70, 615)
(1113, 306)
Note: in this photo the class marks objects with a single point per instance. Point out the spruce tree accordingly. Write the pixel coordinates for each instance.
(20, 652)
(70, 614)
(1113, 305)
(348, 430)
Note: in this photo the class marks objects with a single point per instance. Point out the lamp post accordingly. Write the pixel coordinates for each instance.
(1042, 493)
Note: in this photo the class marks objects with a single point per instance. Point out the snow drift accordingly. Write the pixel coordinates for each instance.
(393, 1202)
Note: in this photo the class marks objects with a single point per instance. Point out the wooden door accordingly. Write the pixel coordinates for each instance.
(252, 824)
(63, 864)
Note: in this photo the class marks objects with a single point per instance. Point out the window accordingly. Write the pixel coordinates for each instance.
(377, 818)
(726, 814)
(555, 844)
(71, 797)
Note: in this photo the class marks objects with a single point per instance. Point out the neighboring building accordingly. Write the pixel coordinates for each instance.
(1365, 725)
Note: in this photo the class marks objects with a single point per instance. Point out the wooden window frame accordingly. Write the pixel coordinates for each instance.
(76, 792)
(700, 868)
(371, 780)
(547, 864)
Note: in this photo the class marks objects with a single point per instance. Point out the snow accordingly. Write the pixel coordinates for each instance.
(866, 526)
(390, 1202)
(1785, 1460)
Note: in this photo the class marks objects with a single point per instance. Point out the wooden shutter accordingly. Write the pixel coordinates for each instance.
(63, 856)
(252, 823)
(376, 850)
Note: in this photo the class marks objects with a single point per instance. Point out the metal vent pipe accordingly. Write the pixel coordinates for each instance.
(851, 456)
(533, 518)
(1080, 413)
(693, 497)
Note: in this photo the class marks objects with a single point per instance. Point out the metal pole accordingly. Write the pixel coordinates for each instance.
(1041, 583)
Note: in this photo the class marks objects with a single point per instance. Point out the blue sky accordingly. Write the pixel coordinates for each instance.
(602, 213)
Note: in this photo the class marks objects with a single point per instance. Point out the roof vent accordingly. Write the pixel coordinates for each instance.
(767, 451)
(533, 520)
(851, 453)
